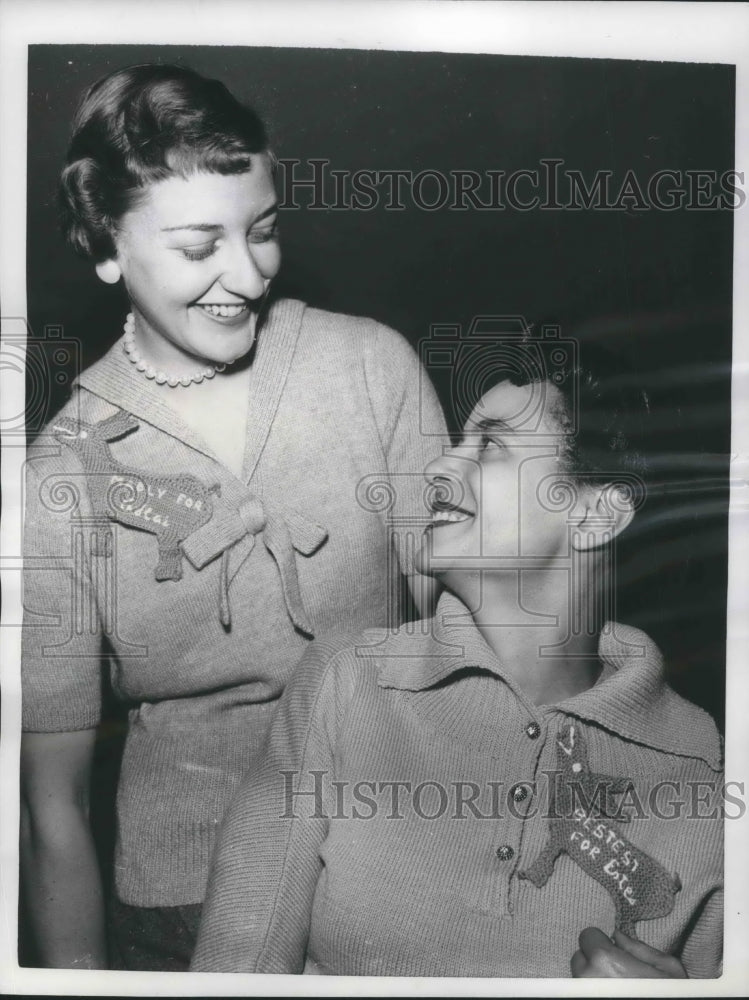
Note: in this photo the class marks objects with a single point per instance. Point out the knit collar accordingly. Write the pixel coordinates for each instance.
(241, 514)
(114, 379)
(631, 699)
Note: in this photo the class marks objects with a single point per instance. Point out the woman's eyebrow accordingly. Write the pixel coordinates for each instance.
(270, 210)
(211, 227)
(203, 227)
(489, 424)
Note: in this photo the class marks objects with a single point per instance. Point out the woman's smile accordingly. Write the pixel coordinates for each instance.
(442, 515)
(204, 303)
(224, 313)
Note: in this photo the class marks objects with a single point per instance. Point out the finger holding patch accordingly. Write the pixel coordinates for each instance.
(623, 958)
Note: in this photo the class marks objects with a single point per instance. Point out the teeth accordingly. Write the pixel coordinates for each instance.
(448, 515)
(223, 310)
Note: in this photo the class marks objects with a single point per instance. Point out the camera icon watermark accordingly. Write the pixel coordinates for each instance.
(78, 562)
(34, 369)
(497, 347)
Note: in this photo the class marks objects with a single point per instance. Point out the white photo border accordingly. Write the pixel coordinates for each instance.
(688, 32)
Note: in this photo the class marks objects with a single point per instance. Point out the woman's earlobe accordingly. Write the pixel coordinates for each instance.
(607, 511)
(618, 502)
(109, 271)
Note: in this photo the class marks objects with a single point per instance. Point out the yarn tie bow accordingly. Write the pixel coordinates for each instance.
(283, 533)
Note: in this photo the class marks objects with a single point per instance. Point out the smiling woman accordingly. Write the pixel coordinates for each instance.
(500, 463)
(200, 491)
(196, 286)
(523, 703)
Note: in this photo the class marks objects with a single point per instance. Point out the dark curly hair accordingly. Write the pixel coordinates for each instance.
(602, 408)
(140, 125)
(609, 432)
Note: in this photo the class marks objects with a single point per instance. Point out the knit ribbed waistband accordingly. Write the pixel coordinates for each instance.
(175, 785)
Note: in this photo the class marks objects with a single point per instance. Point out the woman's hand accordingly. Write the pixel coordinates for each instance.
(625, 958)
(59, 868)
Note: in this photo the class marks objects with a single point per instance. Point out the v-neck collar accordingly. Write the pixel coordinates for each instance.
(113, 379)
(275, 352)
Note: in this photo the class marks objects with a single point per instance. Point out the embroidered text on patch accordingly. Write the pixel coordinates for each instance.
(170, 507)
(640, 887)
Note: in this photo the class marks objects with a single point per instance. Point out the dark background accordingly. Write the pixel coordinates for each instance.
(654, 286)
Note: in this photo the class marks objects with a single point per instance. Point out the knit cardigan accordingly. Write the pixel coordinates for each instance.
(385, 832)
(199, 590)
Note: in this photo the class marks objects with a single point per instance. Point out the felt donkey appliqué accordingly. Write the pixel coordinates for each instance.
(170, 507)
(640, 887)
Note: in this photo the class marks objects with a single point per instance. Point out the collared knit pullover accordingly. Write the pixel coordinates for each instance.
(202, 590)
(385, 832)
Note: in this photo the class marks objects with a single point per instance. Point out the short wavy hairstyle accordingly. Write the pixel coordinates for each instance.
(141, 125)
(602, 409)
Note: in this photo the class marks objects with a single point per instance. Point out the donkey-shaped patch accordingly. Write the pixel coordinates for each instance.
(580, 807)
(170, 507)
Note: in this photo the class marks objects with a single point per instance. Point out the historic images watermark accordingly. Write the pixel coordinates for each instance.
(317, 794)
(550, 185)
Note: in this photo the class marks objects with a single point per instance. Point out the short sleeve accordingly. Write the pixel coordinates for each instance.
(61, 643)
(413, 434)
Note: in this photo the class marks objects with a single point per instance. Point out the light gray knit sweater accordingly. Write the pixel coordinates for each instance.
(383, 832)
(301, 545)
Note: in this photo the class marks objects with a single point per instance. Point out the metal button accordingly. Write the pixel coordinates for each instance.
(505, 853)
(519, 792)
(533, 730)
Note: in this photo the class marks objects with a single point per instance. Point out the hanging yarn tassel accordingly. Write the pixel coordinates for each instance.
(223, 591)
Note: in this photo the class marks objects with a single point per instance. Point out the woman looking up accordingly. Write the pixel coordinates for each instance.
(192, 513)
(481, 797)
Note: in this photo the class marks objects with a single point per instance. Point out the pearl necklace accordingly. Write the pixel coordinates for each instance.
(134, 356)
